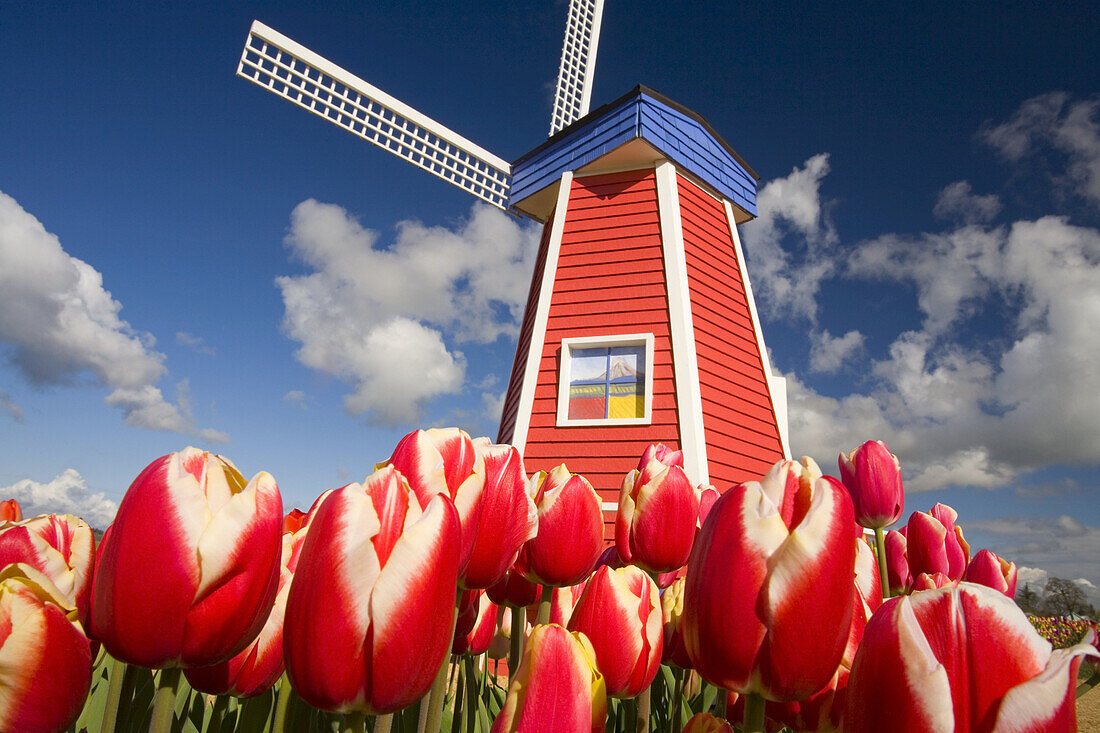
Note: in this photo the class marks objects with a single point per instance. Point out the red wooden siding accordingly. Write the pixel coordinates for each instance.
(739, 423)
(519, 364)
(610, 280)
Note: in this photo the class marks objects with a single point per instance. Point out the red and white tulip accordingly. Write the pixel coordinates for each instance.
(995, 572)
(367, 621)
(658, 513)
(767, 553)
(961, 658)
(188, 572)
(872, 475)
(934, 544)
(570, 534)
(62, 547)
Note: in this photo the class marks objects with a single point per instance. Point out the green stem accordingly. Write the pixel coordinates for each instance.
(720, 703)
(676, 721)
(472, 698)
(643, 712)
(354, 723)
(383, 723)
(880, 545)
(456, 716)
(164, 702)
(119, 671)
(217, 714)
(515, 651)
(278, 725)
(544, 605)
(754, 713)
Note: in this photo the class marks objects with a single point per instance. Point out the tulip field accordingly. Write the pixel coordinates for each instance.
(451, 591)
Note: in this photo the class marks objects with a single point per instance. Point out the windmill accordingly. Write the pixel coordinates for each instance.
(640, 324)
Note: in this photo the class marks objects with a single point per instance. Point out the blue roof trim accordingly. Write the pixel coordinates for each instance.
(678, 133)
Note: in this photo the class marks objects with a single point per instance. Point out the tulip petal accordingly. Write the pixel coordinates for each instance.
(814, 568)
(415, 590)
(336, 570)
(1045, 703)
(508, 516)
(663, 524)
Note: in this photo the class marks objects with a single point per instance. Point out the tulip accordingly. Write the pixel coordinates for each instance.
(872, 475)
(767, 554)
(45, 658)
(620, 613)
(562, 603)
(507, 517)
(514, 591)
(960, 658)
(445, 461)
(478, 634)
(501, 643)
(672, 612)
(897, 563)
(255, 669)
(570, 537)
(931, 581)
(997, 573)
(658, 512)
(366, 626)
(10, 511)
(558, 686)
(935, 545)
(62, 547)
(190, 568)
(707, 723)
(707, 495)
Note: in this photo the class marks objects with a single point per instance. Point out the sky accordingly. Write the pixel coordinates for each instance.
(186, 259)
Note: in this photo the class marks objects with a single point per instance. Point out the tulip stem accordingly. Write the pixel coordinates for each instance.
(164, 701)
(119, 671)
(643, 712)
(880, 546)
(473, 700)
(515, 651)
(383, 723)
(354, 723)
(676, 721)
(278, 725)
(544, 604)
(754, 713)
(456, 716)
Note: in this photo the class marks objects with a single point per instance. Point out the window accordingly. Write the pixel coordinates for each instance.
(606, 380)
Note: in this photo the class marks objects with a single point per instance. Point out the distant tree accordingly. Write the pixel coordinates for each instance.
(1062, 597)
(1027, 599)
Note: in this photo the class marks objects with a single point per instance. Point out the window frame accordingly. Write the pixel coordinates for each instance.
(589, 342)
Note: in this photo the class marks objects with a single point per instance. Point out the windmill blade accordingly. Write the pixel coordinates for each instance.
(578, 63)
(293, 72)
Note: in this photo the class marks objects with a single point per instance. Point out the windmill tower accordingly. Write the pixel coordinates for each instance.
(640, 324)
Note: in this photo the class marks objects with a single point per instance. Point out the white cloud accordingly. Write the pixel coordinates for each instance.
(66, 493)
(829, 353)
(298, 398)
(1053, 122)
(192, 341)
(1044, 547)
(786, 279)
(380, 316)
(61, 323)
(958, 202)
(8, 405)
(493, 403)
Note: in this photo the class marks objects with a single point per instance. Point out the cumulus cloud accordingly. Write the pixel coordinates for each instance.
(958, 202)
(829, 353)
(192, 341)
(789, 246)
(1060, 546)
(1054, 123)
(66, 493)
(62, 324)
(380, 316)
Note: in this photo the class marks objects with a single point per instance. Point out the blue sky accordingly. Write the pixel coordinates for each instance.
(926, 262)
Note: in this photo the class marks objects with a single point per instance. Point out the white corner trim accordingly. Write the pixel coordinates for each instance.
(685, 360)
(542, 313)
(775, 384)
(564, 377)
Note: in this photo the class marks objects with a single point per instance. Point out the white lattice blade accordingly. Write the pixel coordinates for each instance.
(578, 63)
(293, 72)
